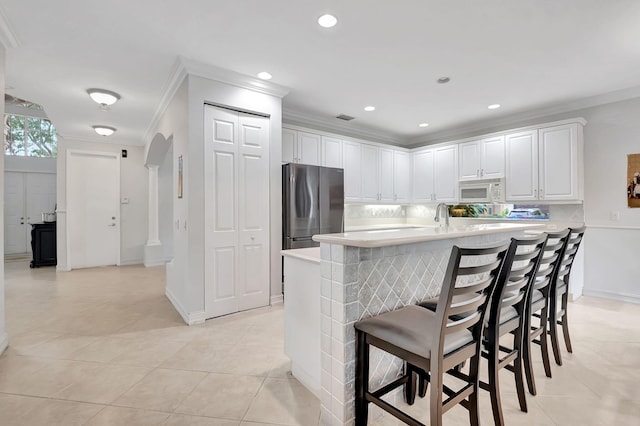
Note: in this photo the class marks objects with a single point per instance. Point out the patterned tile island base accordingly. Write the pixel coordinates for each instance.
(361, 282)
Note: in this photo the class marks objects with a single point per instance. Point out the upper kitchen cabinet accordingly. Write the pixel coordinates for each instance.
(544, 164)
(300, 147)
(352, 164)
(331, 152)
(435, 174)
(401, 176)
(482, 159)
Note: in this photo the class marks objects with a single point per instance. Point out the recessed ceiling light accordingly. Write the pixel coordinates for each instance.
(264, 75)
(494, 106)
(104, 130)
(327, 21)
(103, 97)
(443, 80)
(423, 125)
(369, 108)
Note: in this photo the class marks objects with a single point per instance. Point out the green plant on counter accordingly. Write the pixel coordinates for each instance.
(467, 210)
(505, 213)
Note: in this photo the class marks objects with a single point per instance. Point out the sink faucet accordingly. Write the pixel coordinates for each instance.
(444, 207)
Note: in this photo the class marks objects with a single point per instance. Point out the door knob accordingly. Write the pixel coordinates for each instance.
(113, 218)
(113, 224)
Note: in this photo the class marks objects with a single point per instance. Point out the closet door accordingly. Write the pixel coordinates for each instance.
(252, 287)
(15, 223)
(236, 211)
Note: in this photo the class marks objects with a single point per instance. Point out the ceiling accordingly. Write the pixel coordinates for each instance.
(527, 55)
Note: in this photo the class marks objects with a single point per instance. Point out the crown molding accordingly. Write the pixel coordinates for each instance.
(544, 112)
(8, 37)
(233, 78)
(297, 118)
(176, 77)
(183, 67)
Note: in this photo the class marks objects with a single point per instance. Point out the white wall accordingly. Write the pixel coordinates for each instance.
(174, 124)
(133, 185)
(4, 338)
(184, 121)
(165, 204)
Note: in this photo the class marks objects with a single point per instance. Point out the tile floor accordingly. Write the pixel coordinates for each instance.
(104, 346)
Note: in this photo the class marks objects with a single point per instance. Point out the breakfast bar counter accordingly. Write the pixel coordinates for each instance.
(366, 273)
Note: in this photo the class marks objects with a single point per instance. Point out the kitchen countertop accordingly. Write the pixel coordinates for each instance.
(389, 237)
(311, 254)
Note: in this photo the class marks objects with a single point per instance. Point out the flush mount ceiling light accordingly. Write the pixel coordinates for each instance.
(423, 125)
(494, 106)
(327, 21)
(103, 97)
(369, 108)
(104, 130)
(443, 80)
(264, 75)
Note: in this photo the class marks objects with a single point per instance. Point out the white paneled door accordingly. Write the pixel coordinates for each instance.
(236, 211)
(27, 196)
(93, 209)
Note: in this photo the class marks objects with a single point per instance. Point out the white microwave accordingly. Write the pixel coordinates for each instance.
(487, 191)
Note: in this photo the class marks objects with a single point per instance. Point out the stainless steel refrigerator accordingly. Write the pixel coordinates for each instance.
(312, 203)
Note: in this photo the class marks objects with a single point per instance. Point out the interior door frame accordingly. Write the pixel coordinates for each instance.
(80, 152)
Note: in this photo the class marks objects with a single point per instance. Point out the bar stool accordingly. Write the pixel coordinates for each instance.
(538, 304)
(434, 342)
(507, 314)
(560, 295)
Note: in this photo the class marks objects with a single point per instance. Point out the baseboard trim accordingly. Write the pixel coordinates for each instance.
(160, 262)
(189, 319)
(277, 299)
(131, 262)
(631, 298)
(4, 342)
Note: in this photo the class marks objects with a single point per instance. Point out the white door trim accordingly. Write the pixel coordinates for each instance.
(70, 153)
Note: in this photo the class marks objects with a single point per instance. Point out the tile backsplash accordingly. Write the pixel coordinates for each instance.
(370, 214)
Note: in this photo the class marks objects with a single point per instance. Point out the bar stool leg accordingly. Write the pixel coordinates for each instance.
(362, 379)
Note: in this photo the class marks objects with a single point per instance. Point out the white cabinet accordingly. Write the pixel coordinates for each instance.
(435, 174)
(482, 159)
(352, 164)
(385, 174)
(300, 147)
(522, 166)
(369, 173)
(544, 164)
(558, 149)
(331, 152)
(401, 176)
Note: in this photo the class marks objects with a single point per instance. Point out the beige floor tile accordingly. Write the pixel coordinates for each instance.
(222, 395)
(569, 411)
(104, 349)
(112, 416)
(49, 412)
(105, 385)
(59, 347)
(250, 359)
(13, 408)
(147, 352)
(286, 402)
(161, 390)
(51, 379)
(200, 356)
(14, 369)
(184, 420)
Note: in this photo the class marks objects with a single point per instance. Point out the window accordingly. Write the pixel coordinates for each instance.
(29, 136)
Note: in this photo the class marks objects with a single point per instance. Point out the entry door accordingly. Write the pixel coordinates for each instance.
(236, 211)
(93, 209)
(27, 196)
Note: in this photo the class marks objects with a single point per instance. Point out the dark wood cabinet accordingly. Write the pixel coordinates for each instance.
(43, 244)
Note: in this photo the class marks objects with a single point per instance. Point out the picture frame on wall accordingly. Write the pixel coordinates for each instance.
(180, 176)
(633, 180)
